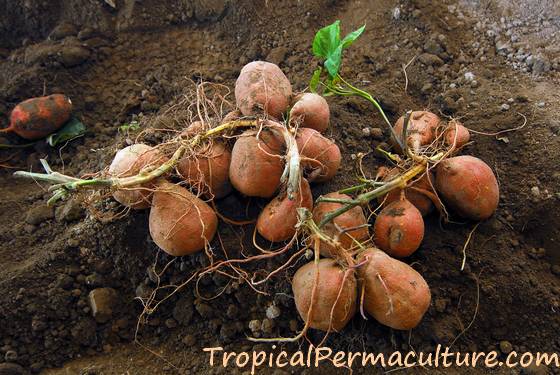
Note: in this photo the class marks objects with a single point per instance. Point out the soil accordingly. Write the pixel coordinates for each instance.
(133, 60)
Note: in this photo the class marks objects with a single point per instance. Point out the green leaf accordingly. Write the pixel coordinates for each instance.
(72, 129)
(350, 38)
(332, 63)
(315, 79)
(327, 40)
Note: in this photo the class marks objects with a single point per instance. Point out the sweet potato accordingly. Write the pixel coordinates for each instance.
(463, 134)
(262, 88)
(311, 111)
(399, 228)
(180, 222)
(421, 201)
(347, 222)
(38, 117)
(395, 294)
(196, 127)
(323, 155)
(279, 217)
(256, 164)
(208, 170)
(129, 162)
(468, 185)
(232, 116)
(335, 297)
(421, 129)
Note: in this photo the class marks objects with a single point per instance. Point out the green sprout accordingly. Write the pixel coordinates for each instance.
(328, 46)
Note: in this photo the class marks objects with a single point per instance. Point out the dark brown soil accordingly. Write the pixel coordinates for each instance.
(126, 63)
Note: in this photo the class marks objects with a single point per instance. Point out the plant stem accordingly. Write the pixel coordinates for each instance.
(348, 90)
(366, 197)
(64, 183)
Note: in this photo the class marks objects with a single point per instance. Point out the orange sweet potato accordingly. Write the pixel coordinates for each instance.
(335, 297)
(395, 294)
(468, 185)
(180, 222)
(323, 155)
(36, 118)
(208, 170)
(350, 221)
(399, 228)
(262, 88)
(129, 162)
(279, 217)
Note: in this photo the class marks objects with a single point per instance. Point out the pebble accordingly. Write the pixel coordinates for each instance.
(73, 55)
(39, 214)
(71, 211)
(170, 323)
(535, 191)
(10, 356)
(555, 269)
(366, 132)
(255, 325)
(267, 326)
(504, 107)
(469, 76)
(506, 347)
(377, 133)
(430, 59)
(427, 88)
(189, 340)
(203, 309)
(63, 30)
(540, 104)
(273, 312)
(102, 302)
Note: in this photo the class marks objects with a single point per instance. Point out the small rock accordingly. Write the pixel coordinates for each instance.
(396, 13)
(504, 107)
(63, 30)
(102, 302)
(506, 347)
(427, 88)
(267, 326)
(38, 214)
(366, 132)
(189, 340)
(469, 76)
(143, 291)
(430, 59)
(95, 280)
(272, 312)
(71, 211)
(40, 54)
(255, 325)
(170, 323)
(73, 55)
(11, 369)
(535, 191)
(503, 47)
(64, 281)
(433, 47)
(277, 55)
(540, 104)
(10, 356)
(86, 33)
(440, 305)
(376, 133)
(203, 309)
(555, 269)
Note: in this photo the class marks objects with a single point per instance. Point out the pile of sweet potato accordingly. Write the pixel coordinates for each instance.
(279, 159)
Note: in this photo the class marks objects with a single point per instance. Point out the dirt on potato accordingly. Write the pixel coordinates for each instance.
(123, 61)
